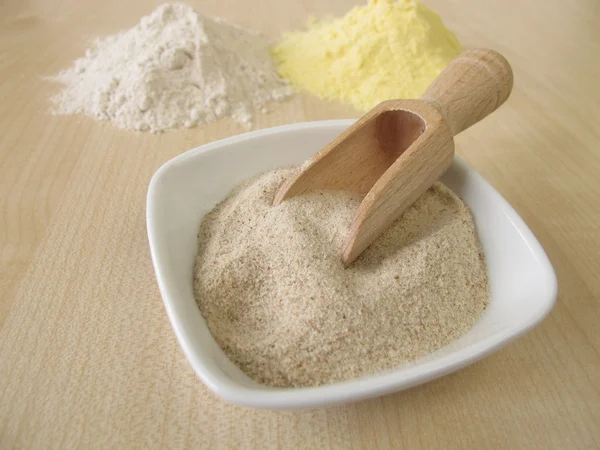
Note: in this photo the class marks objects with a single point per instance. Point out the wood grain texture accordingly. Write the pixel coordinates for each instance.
(471, 87)
(397, 150)
(87, 356)
(411, 174)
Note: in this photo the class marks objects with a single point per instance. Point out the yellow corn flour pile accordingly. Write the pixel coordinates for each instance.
(381, 51)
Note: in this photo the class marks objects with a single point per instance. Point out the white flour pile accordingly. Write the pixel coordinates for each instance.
(270, 283)
(175, 69)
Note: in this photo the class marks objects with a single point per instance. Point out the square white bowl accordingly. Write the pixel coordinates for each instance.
(182, 191)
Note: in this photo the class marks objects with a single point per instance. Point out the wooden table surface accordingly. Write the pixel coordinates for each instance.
(87, 356)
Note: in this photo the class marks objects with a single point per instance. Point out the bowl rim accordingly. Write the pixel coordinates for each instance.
(351, 390)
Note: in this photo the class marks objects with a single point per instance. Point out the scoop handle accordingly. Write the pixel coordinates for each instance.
(472, 86)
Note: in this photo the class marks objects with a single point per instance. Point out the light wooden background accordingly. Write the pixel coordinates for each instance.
(87, 356)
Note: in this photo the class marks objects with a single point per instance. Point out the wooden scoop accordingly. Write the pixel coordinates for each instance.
(396, 151)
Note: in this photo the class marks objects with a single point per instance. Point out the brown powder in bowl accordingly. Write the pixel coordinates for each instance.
(277, 299)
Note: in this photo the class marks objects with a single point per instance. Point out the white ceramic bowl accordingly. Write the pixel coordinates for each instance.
(523, 284)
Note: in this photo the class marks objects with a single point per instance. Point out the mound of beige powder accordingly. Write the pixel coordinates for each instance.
(175, 69)
(277, 299)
